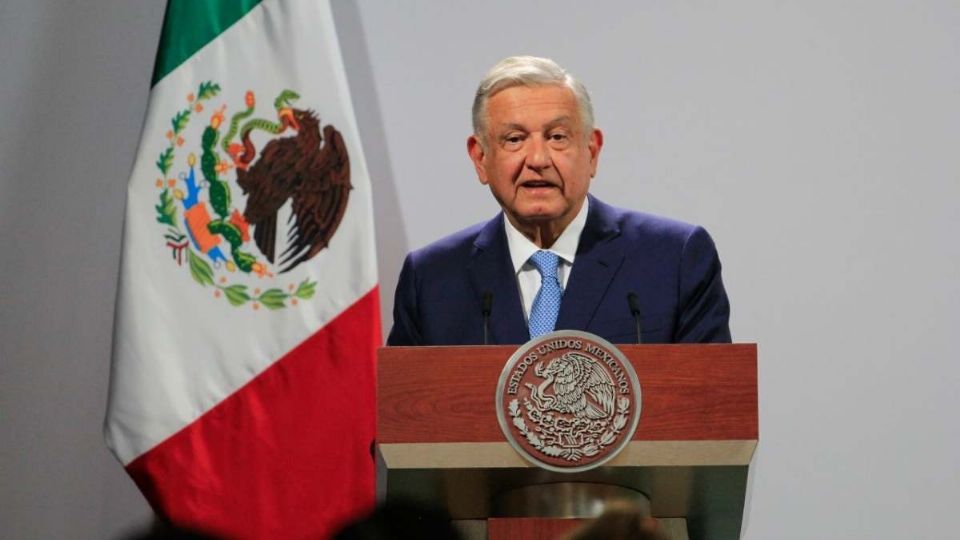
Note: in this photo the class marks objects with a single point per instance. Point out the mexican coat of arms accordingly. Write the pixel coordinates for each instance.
(234, 240)
(568, 401)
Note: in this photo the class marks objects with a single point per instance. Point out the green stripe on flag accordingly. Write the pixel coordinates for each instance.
(189, 25)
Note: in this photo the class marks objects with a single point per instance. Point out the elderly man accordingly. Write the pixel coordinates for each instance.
(556, 257)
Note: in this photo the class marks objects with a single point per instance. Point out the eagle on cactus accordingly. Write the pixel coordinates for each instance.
(312, 170)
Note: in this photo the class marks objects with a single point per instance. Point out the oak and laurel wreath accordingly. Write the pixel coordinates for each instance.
(201, 271)
(570, 454)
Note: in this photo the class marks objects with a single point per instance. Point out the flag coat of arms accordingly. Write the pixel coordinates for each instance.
(242, 386)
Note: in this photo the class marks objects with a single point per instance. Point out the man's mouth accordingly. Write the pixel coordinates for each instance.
(533, 184)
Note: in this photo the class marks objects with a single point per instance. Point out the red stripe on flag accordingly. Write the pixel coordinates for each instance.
(287, 455)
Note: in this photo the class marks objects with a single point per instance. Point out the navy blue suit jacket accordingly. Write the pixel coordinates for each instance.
(672, 267)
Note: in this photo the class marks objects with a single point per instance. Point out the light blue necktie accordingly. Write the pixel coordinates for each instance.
(546, 306)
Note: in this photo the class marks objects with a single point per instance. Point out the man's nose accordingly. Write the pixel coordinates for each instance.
(538, 153)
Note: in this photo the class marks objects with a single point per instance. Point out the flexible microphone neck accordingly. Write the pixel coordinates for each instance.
(486, 303)
(635, 311)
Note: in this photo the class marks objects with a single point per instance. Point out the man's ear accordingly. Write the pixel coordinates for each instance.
(477, 153)
(594, 144)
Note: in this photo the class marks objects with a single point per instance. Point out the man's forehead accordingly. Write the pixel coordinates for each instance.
(548, 93)
(533, 105)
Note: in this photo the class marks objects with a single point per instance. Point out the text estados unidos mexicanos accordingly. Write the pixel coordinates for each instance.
(563, 344)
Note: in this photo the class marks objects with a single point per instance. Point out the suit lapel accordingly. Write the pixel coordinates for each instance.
(491, 270)
(599, 255)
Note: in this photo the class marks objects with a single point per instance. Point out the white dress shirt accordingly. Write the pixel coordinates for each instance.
(521, 248)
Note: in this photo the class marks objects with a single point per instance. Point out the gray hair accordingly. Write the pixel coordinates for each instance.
(528, 71)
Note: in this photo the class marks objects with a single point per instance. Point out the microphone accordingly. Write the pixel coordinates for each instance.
(486, 303)
(635, 311)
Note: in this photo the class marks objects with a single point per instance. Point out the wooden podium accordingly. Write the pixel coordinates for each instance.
(439, 440)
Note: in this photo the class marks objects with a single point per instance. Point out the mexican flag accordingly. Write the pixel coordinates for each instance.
(242, 386)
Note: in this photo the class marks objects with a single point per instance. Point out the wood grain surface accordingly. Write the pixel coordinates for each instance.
(530, 528)
(447, 394)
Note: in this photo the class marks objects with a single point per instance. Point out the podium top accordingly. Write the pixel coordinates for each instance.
(447, 394)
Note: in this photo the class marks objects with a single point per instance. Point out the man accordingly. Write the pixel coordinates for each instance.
(555, 258)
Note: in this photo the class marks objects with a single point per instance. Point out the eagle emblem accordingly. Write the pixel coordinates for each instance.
(293, 176)
(568, 401)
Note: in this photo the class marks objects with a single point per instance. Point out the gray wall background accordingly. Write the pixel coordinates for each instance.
(817, 142)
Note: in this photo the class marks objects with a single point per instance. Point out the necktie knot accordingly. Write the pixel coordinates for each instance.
(546, 263)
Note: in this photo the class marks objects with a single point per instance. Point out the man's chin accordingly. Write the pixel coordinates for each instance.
(536, 218)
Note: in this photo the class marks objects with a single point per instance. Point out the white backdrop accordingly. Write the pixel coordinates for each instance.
(816, 141)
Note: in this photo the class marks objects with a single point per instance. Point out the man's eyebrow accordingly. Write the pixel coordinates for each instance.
(511, 126)
(560, 120)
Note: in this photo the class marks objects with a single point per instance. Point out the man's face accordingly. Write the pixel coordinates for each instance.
(535, 155)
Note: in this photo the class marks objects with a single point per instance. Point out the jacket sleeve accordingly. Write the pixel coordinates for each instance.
(703, 311)
(406, 318)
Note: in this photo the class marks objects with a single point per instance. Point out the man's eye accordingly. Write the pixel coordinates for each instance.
(513, 139)
(558, 137)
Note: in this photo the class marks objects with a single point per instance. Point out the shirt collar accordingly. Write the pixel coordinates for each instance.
(521, 248)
